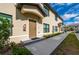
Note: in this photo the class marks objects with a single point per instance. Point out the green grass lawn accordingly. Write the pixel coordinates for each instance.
(70, 46)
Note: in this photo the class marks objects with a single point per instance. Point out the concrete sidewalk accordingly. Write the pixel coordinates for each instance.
(77, 35)
(47, 46)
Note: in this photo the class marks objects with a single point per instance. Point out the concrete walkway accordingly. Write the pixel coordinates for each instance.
(77, 35)
(47, 46)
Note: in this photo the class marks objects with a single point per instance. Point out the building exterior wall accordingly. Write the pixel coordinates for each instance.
(18, 23)
(61, 28)
(50, 20)
(39, 29)
(34, 10)
(9, 8)
(21, 18)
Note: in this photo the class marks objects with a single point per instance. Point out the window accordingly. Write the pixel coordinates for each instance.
(55, 17)
(56, 28)
(46, 27)
(46, 10)
(62, 28)
(9, 20)
(52, 28)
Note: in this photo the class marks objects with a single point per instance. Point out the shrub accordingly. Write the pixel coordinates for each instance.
(51, 35)
(56, 34)
(17, 50)
(21, 51)
(4, 31)
(48, 36)
(13, 44)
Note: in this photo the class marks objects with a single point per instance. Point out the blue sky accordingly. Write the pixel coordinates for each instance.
(68, 11)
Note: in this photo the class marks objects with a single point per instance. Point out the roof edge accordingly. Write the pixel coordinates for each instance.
(48, 5)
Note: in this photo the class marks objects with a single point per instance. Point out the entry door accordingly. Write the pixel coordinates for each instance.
(32, 28)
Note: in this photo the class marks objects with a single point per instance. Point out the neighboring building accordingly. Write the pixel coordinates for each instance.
(72, 27)
(30, 20)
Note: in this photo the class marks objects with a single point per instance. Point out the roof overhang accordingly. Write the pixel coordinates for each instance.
(20, 5)
(48, 5)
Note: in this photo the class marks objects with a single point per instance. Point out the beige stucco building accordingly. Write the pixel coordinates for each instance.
(31, 20)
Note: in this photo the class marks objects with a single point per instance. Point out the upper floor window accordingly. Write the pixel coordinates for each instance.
(46, 10)
(46, 27)
(56, 17)
(7, 19)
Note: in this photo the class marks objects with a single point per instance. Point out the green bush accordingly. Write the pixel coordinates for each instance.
(48, 36)
(4, 31)
(17, 50)
(5, 26)
(56, 34)
(13, 44)
(21, 51)
(51, 35)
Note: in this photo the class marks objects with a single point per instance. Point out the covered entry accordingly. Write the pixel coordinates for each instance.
(34, 16)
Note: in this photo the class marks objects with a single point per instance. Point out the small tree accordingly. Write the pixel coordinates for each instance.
(4, 31)
(71, 28)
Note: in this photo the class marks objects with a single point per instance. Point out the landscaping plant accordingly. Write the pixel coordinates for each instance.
(19, 50)
(4, 32)
(51, 35)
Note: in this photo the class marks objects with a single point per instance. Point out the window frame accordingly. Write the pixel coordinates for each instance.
(56, 28)
(53, 29)
(45, 28)
(56, 18)
(46, 10)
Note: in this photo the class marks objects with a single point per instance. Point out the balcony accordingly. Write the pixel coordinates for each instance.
(32, 10)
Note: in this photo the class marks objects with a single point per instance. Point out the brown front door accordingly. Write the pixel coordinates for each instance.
(32, 28)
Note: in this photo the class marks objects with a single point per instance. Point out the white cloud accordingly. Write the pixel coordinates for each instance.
(73, 9)
(67, 16)
(61, 3)
(64, 3)
(68, 23)
(68, 3)
(76, 22)
(77, 18)
(59, 9)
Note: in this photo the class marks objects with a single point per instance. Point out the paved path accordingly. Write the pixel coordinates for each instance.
(77, 35)
(45, 47)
